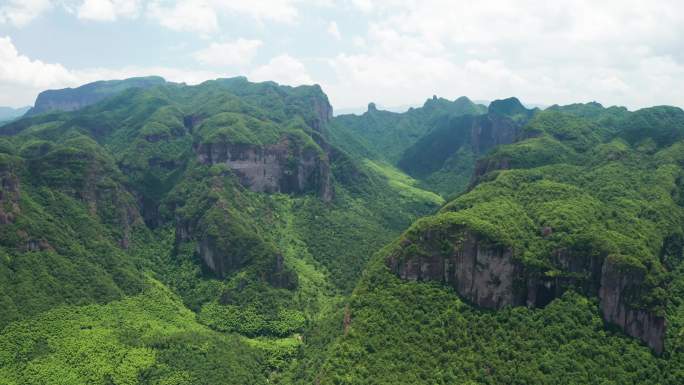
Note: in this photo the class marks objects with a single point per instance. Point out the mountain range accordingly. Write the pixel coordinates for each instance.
(240, 233)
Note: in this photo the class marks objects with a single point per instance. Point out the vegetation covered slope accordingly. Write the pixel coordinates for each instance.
(177, 234)
(438, 143)
(587, 215)
(385, 135)
(444, 158)
(223, 233)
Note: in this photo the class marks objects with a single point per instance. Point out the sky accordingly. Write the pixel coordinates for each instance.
(392, 52)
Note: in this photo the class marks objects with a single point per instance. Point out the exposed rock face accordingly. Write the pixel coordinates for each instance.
(215, 260)
(71, 99)
(579, 272)
(490, 277)
(281, 167)
(486, 165)
(481, 273)
(489, 131)
(641, 324)
(323, 112)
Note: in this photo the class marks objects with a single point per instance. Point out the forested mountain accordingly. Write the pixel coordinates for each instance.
(438, 143)
(573, 234)
(236, 233)
(177, 234)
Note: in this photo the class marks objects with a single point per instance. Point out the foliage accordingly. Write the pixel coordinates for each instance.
(418, 333)
(145, 339)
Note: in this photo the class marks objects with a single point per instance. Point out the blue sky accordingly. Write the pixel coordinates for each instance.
(393, 52)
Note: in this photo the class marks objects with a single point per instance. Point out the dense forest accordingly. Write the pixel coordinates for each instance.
(238, 233)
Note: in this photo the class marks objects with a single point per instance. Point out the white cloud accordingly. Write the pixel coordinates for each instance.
(363, 5)
(22, 78)
(108, 10)
(185, 15)
(203, 15)
(283, 69)
(20, 70)
(398, 52)
(231, 53)
(21, 12)
(619, 52)
(334, 31)
(270, 10)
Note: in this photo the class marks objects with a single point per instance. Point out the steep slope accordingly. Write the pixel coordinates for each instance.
(386, 135)
(218, 213)
(573, 235)
(444, 157)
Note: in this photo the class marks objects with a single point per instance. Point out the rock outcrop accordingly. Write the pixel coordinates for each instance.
(282, 167)
(616, 284)
(323, 111)
(481, 273)
(489, 276)
(490, 131)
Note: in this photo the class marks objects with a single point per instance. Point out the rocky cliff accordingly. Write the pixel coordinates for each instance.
(617, 284)
(482, 273)
(72, 99)
(284, 167)
(490, 276)
(322, 111)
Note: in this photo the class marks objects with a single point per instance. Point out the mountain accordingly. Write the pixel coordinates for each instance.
(393, 138)
(71, 99)
(234, 232)
(561, 264)
(9, 113)
(386, 135)
(444, 157)
(181, 232)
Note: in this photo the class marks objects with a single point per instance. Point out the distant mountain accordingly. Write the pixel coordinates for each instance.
(361, 110)
(437, 143)
(72, 99)
(9, 113)
(445, 156)
(386, 135)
